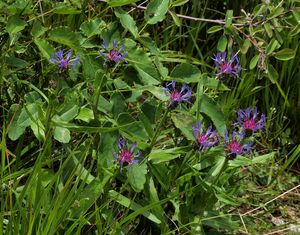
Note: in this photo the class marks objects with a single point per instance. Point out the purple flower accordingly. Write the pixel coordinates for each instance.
(127, 156)
(64, 63)
(114, 55)
(204, 139)
(225, 66)
(177, 96)
(250, 122)
(234, 144)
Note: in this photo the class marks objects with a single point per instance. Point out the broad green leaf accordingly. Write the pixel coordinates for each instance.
(214, 29)
(125, 201)
(268, 29)
(62, 134)
(222, 43)
(245, 161)
(273, 44)
(178, 3)
(45, 48)
(70, 114)
(272, 73)
(15, 24)
(119, 3)
(37, 29)
(92, 27)
(127, 21)
(213, 83)
(285, 54)
(156, 11)
(85, 114)
(136, 175)
(65, 36)
(16, 62)
(165, 155)
(38, 129)
(253, 62)
(15, 130)
(28, 113)
(186, 73)
(211, 109)
(184, 122)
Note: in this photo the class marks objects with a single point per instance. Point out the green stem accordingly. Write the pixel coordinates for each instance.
(157, 132)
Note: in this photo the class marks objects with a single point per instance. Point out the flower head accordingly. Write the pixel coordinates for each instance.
(204, 139)
(250, 121)
(235, 144)
(64, 62)
(177, 96)
(114, 55)
(127, 156)
(225, 66)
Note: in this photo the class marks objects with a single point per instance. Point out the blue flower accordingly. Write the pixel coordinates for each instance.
(225, 66)
(64, 63)
(114, 55)
(204, 139)
(250, 122)
(177, 96)
(235, 144)
(127, 156)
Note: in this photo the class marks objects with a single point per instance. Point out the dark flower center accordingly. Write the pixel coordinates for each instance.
(202, 139)
(125, 156)
(113, 55)
(234, 147)
(250, 124)
(176, 96)
(226, 67)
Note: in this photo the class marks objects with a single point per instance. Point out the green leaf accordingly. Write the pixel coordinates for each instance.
(118, 3)
(70, 114)
(62, 134)
(45, 48)
(15, 24)
(156, 11)
(127, 21)
(165, 155)
(38, 129)
(228, 18)
(125, 201)
(65, 36)
(85, 114)
(211, 109)
(272, 73)
(246, 46)
(273, 44)
(16, 62)
(222, 43)
(244, 161)
(37, 29)
(92, 27)
(186, 73)
(28, 113)
(184, 122)
(268, 29)
(176, 19)
(285, 54)
(136, 175)
(66, 10)
(253, 62)
(15, 130)
(179, 3)
(214, 29)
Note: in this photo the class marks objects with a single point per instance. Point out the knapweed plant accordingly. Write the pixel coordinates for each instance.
(117, 116)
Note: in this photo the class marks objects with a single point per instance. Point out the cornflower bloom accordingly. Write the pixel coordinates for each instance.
(177, 96)
(114, 55)
(250, 122)
(204, 139)
(234, 144)
(127, 156)
(64, 63)
(225, 66)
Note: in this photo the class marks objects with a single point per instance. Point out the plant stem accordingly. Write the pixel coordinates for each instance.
(157, 132)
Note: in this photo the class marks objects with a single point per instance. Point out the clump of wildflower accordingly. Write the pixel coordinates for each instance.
(177, 95)
(225, 66)
(250, 121)
(64, 62)
(204, 139)
(114, 55)
(127, 156)
(235, 144)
